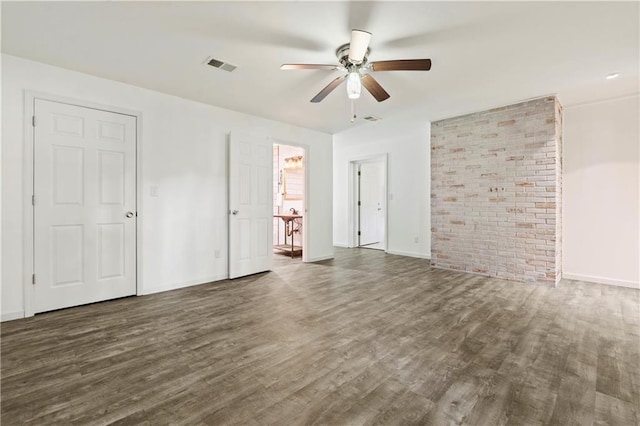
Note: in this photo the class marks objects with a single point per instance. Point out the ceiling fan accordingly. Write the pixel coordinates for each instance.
(352, 57)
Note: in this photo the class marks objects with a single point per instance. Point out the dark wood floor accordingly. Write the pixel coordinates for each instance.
(366, 338)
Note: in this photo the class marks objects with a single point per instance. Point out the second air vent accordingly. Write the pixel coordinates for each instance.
(219, 64)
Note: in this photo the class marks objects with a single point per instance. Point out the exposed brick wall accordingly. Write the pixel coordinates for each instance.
(496, 192)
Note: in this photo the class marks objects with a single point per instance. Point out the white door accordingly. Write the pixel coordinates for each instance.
(372, 196)
(84, 206)
(250, 205)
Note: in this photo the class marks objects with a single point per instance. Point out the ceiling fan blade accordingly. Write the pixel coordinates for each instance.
(402, 65)
(359, 45)
(372, 85)
(328, 89)
(309, 67)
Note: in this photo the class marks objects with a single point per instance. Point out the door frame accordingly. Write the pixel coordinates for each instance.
(305, 203)
(352, 225)
(28, 248)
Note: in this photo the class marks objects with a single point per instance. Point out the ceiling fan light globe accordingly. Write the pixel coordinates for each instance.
(354, 86)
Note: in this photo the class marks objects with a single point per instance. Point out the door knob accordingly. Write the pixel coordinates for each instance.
(129, 215)
(235, 212)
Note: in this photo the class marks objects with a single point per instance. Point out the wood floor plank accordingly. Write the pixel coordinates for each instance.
(365, 338)
(613, 411)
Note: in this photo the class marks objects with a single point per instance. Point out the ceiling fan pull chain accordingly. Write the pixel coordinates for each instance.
(353, 111)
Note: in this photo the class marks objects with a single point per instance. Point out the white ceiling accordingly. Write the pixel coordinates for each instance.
(484, 54)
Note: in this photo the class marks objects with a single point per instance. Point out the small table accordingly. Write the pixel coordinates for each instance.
(289, 230)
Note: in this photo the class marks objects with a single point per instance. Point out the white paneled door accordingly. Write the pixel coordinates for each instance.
(84, 205)
(250, 205)
(372, 197)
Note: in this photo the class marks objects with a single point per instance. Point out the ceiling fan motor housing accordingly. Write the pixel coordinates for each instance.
(342, 53)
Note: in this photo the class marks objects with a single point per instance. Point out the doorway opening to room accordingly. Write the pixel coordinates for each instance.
(370, 203)
(289, 203)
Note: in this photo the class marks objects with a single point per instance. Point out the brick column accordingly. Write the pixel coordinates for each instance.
(496, 192)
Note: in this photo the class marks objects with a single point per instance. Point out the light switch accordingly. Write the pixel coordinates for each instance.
(153, 191)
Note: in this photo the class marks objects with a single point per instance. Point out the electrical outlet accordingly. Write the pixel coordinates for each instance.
(416, 240)
(153, 191)
(217, 254)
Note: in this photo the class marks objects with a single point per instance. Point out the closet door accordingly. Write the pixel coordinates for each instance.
(84, 205)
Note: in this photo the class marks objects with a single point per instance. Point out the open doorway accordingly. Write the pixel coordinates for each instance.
(370, 203)
(289, 207)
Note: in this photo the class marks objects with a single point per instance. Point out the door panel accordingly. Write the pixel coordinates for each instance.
(68, 170)
(250, 205)
(67, 254)
(84, 184)
(111, 250)
(111, 177)
(111, 131)
(244, 239)
(67, 125)
(263, 228)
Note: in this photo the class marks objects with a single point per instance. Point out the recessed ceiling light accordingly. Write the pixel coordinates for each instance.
(612, 76)
(372, 118)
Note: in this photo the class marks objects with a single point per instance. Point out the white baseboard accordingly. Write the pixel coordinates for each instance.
(409, 254)
(601, 280)
(10, 316)
(341, 245)
(320, 258)
(175, 286)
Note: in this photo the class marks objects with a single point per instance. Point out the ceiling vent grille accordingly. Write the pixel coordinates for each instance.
(219, 64)
(372, 118)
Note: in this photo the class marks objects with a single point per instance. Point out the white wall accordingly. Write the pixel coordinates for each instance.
(184, 156)
(1, 227)
(407, 145)
(601, 199)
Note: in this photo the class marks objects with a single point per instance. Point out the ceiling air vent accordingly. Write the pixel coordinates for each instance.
(219, 64)
(372, 118)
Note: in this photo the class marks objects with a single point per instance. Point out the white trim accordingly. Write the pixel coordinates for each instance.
(305, 203)
(321, 258)
(409, 254)
(139, 204)
(352, 184)
(341, 245)
(183, 284)
(10, 316)
(27, 208)
(601, 280)
(29, 111)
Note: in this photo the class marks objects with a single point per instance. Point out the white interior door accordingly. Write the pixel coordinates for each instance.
(84, 205)
(372, 197)
(250, 205)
